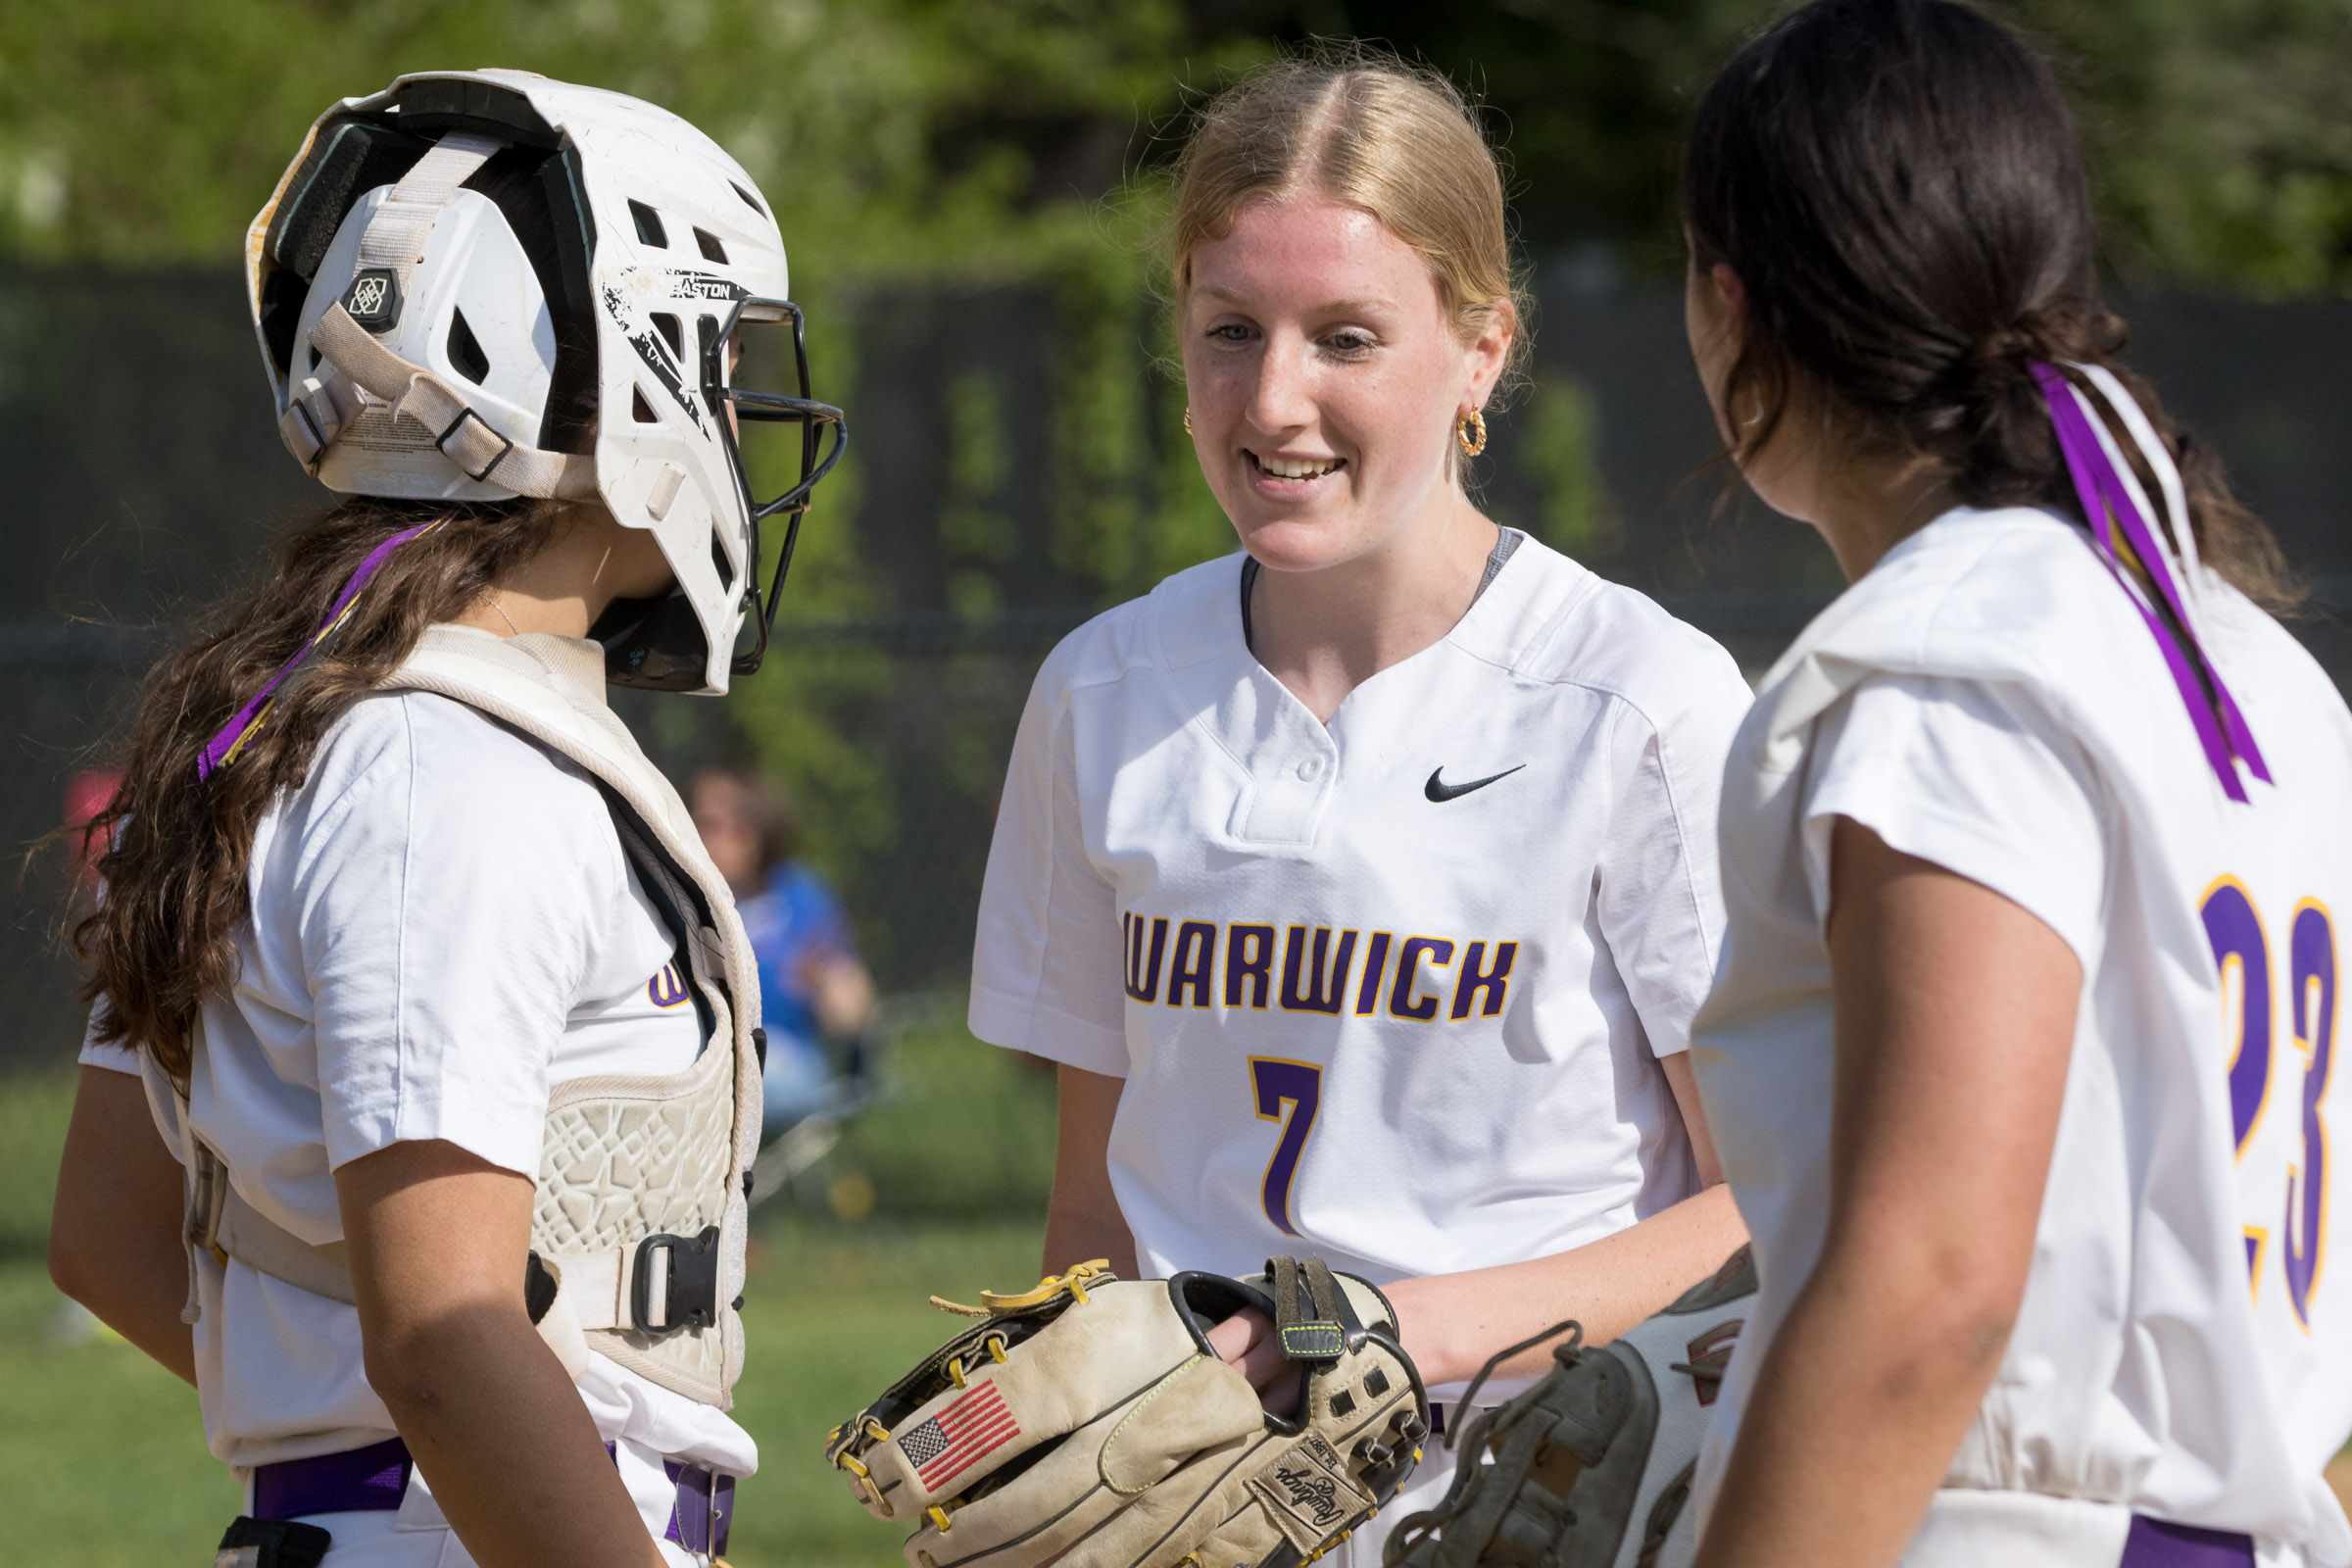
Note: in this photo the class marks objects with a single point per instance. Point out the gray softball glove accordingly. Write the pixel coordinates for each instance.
(1592, 1467)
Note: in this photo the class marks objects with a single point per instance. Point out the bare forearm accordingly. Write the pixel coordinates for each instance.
(507, 1446)
(1079, 1229)
(1082, 1218)
(1852, 1421)
(1955, 1017)
(1452, 1322)
(114, 1235)
(141, 1299)
(438, 1236)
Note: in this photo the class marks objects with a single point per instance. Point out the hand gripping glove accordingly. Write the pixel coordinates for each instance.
(1592, 1467)
(1089, 1424)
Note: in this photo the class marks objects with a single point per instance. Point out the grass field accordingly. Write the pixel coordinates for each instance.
(102, 1460)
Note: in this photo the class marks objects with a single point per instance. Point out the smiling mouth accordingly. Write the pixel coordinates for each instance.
(1292, 467)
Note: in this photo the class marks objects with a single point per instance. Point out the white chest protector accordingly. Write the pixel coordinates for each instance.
(637, 1230)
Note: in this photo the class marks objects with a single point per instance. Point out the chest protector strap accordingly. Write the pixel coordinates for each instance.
(638, 1217)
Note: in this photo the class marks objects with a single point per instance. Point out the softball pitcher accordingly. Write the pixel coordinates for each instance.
(1362, 884)
(2021, 1057)
(415, 961)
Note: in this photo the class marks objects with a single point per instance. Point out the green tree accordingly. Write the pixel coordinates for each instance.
(910, 142)
(2220, 131)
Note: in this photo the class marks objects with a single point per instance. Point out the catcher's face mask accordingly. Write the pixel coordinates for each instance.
(755, 380)
(479, 285)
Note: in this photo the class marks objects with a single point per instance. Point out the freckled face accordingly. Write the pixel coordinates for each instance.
(1323, 379)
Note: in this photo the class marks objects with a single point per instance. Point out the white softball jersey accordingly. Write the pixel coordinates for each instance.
(1390, 989)
(444, 927)
(1990, 700)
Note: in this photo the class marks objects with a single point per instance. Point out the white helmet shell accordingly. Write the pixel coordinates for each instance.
(473, 297)
(422, 343)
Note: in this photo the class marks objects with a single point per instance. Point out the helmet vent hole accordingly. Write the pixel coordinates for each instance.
(748, 200)
(640, 410)
(719, 559)
(465, 354)
(649, 226)
(711, 249)
(673, 334)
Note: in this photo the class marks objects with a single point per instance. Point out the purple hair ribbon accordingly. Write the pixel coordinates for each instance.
(224, 748)
(2108, 503)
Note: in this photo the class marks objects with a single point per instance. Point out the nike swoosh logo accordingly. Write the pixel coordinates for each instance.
(1439, 789)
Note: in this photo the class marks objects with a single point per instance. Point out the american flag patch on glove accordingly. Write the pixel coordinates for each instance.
(977, 1423)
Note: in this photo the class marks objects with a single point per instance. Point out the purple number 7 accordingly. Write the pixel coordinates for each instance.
(1297, 1087)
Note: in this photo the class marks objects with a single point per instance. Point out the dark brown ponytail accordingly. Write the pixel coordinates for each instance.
(1898, 187)
(161, 938)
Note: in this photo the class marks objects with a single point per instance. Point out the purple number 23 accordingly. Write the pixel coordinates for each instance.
(2242, 950)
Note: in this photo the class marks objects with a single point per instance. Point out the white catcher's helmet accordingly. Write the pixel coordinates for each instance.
(482, 284)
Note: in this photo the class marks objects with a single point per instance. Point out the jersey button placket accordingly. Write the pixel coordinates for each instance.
(1289, 798)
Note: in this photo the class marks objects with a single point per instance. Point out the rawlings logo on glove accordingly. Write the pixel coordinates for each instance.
(1089, 1424)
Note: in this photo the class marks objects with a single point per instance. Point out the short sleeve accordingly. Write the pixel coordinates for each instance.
(111, 1055)
(447, 907)
(1660, 895)
(1046, 957)
(1974, 776)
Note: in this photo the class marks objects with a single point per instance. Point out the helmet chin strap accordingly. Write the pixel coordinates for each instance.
(397, 234)
(394, 243)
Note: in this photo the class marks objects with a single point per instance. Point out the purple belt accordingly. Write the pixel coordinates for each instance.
(371, 1480)
(2152, 1543)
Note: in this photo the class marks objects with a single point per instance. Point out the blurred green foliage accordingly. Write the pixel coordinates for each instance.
(2221, 136)
(906, 136)
(956, 1155)
(139, 131)
(34, 1109)
(1560, 431)
(918, 143)
(964, 1131)
(2220, 131)
(896, 139)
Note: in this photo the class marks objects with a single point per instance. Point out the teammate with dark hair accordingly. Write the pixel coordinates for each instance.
(2020, 1056)
(411, 956)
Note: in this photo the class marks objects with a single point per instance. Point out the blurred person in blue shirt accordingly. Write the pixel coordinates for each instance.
(811, 984)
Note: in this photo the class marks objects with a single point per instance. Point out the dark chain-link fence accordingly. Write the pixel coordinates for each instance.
(144, 477)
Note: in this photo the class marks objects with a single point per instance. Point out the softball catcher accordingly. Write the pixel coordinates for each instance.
(445, 1018)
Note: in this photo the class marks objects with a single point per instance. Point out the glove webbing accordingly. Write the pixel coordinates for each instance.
(1322, 1338)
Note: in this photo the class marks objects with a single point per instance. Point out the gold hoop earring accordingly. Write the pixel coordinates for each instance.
(1755, 400)
(1188, 420)
(1470, 433)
